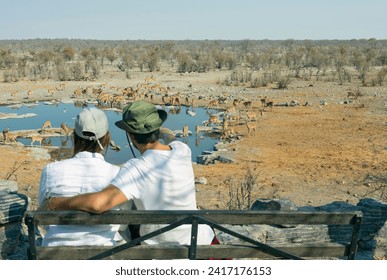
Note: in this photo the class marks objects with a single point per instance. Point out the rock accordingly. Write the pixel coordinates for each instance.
(373, 230)
(39, 153)
(220, 147)
(374, 227)
(226, 158)
(8, 186)
(179, 133)
(213, 157)
(201, 180)
(273, 204)
(12, 209)
(16, 116)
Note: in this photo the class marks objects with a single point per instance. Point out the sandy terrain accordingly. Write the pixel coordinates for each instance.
(325, 149)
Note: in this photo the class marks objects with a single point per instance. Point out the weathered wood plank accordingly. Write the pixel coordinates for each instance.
(145, 252)
(218, 216)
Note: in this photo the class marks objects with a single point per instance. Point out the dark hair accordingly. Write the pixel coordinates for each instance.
(85, 145)
(147, 138)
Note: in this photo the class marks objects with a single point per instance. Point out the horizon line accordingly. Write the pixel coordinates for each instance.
(245, 39)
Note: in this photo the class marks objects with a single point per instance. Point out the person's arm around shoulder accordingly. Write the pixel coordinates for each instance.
(96, 202)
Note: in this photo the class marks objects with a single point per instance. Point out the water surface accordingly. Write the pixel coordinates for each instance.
(66, 112)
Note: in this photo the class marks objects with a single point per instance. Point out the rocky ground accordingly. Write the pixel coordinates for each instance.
(327, 147)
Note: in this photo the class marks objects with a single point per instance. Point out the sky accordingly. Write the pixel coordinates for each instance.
(193, 19)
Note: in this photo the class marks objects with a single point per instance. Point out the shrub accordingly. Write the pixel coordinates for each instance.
(240, 192)
(283, 83)
(62, 72)
(381, 75)
(10, 76)
(77, 72)
(185, 63)
(238, 77)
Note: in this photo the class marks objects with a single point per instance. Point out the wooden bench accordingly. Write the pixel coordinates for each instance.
(247, 248)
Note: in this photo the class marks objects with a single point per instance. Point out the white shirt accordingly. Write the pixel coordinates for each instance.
(163, 180)
(85, 172)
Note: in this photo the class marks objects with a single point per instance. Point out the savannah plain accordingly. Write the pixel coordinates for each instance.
(320, 109)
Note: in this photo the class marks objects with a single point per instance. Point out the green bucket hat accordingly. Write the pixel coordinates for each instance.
(141, 117)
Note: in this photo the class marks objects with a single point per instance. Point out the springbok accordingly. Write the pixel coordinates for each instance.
(5, 132)
(227, 133)
(190, 101)
(247, 104)
(225, 124)
(65, 128)
(8, 137)
(148, 80)
(185, 131)
(251, 115)
(213, 104)
(266, 103)
(61, 87)
(78, 93)
(51, 91)
(213, 120)
(197, 129)
(38, 139)
(118, 100)
(104, 99)
(230, 110)
(11, 137)
(47, 124)
(250, 128)
(29, 93)
(236, 102)
(174, 100)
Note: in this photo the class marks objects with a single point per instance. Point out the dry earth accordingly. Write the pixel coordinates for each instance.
(328, 150)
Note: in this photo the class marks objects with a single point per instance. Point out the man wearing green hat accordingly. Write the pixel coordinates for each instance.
(162, 178)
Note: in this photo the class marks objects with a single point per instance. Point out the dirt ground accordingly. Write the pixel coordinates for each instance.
(328, 148)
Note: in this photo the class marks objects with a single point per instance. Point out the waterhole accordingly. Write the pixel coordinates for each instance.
(66, 112)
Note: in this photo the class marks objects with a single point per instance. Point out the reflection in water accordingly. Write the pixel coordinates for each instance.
(198, 140)
(64, 140)
(62, 115)
(47, 142)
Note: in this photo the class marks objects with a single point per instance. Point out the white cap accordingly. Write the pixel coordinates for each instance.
(91, 120)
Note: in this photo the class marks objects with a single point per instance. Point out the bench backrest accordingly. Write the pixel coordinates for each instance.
(218, 219)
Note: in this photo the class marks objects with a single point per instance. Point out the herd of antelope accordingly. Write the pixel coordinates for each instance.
(30, 93)
(235, 113)
(11, 137)
(240, 112)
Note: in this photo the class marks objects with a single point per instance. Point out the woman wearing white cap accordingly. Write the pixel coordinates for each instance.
(87, 171)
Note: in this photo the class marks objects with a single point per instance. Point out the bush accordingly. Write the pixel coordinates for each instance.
(283, 82)
(77, 72)
(264, 80)
(381, 75)
(10, 76)
(185, 63)
(62, 72)
(240, 192)
(238, 77)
